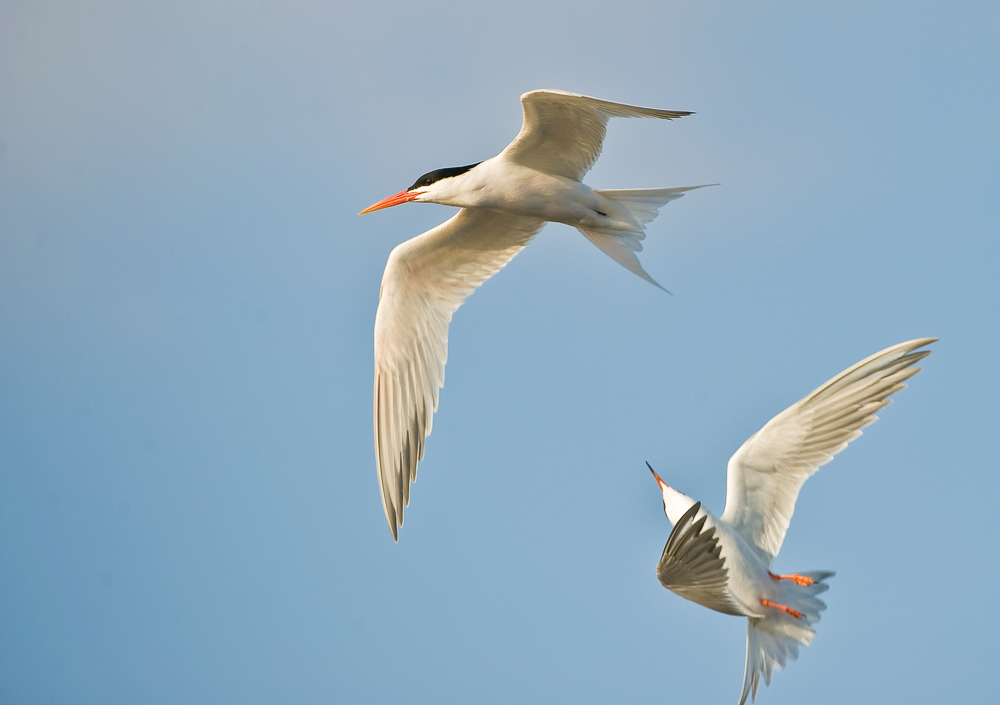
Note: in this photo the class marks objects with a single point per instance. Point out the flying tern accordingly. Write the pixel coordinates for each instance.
(505, 202)
(724, 563)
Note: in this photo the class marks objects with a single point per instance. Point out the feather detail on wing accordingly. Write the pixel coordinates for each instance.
(563, 132)
(767, 472)
(692, 567)
(426, 279)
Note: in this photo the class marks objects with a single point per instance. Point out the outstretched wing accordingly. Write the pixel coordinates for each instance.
(563, 132)
(766, 473)
(426, 279)
(691, 564)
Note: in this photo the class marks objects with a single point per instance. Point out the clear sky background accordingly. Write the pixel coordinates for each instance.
(189, 511)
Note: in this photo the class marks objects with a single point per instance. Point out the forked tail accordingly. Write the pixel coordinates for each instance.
(639, 206)
(774, 639)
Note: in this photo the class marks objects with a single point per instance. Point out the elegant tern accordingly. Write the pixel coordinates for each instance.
(505, 202)
(724, 563)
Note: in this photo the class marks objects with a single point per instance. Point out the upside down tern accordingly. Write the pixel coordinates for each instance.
(505, 202)
(724, 563)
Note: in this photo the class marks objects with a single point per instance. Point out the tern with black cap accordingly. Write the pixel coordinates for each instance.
(505, 202)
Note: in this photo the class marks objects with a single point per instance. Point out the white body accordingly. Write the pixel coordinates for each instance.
(505, 201)
(503, 185)
(749, 578)
(764, 479)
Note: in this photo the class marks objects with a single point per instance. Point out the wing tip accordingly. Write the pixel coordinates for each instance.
(654, 113)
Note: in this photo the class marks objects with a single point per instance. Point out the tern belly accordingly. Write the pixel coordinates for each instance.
(534, 194)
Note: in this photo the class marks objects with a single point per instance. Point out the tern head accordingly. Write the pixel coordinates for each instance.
(438, 186)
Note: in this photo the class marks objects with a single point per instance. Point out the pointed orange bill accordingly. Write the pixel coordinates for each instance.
(659, 480)
(393, 200)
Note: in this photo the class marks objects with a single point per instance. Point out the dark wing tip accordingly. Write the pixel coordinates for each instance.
(390, 518)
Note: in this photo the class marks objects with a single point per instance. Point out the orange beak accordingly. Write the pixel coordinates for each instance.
(659, 480)
(393, 200)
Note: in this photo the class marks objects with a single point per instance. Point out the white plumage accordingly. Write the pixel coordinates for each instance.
(724, 562)
(505, 201)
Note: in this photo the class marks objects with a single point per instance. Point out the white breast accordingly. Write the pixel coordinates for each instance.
(748, 574)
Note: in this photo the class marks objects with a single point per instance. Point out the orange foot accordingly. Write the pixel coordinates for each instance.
(794, 577)
(784, 608)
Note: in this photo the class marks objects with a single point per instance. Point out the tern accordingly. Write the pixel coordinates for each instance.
(505, 202)
(724, 563)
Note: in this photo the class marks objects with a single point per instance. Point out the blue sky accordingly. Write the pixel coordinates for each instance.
(189, 510)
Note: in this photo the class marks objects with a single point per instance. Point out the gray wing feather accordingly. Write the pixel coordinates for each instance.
(692, 567)
(426, 279)
(563, 132)
(765, 475)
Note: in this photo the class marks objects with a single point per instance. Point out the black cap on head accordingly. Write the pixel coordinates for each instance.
(438, 174)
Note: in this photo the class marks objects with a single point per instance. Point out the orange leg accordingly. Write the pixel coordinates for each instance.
(794, 577)
(784, 608)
